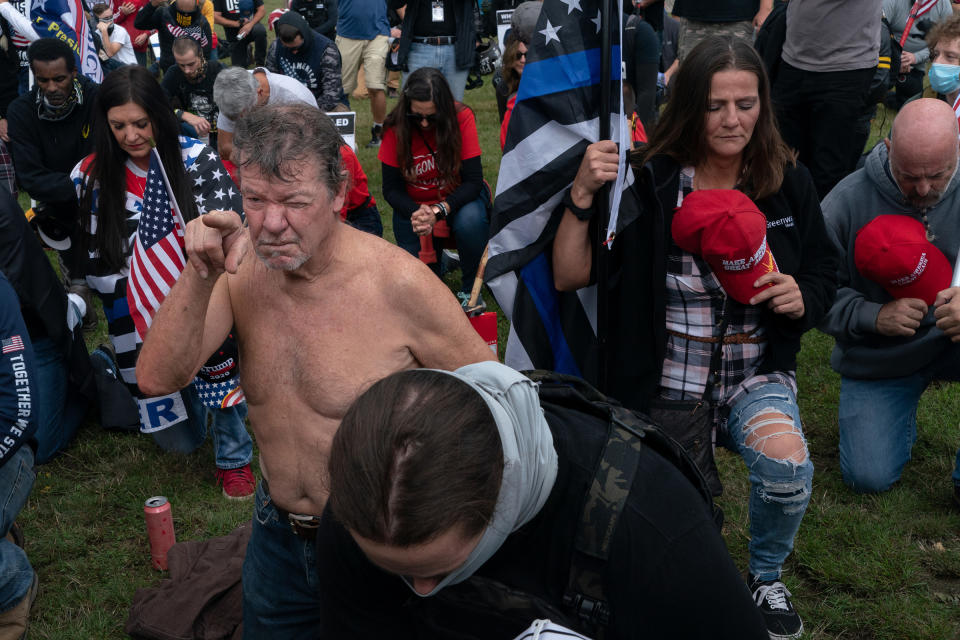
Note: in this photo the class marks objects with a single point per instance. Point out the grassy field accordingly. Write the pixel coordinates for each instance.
(865, 567)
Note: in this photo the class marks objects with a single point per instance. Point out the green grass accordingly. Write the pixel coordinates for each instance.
(865, 567)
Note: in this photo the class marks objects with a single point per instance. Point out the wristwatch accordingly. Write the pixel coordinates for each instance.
(580, 213)
(441, 211)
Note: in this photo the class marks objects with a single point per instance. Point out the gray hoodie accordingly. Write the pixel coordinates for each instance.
(860, 351)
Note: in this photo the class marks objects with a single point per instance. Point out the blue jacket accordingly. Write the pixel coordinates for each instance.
(18, 382)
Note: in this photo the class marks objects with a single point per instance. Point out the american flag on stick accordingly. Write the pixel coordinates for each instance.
(157, 259)
(919, 8)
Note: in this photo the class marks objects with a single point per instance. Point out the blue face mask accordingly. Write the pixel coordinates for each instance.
(944, 78)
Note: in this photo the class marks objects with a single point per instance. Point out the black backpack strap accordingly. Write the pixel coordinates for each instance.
(602, 507)
(617, 465)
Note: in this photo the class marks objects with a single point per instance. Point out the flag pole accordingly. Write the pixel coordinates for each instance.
(603, 195)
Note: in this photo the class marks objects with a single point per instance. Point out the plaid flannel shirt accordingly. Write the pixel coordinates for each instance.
(695, 306)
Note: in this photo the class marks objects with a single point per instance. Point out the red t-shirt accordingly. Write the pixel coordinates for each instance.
(506, 120)
(358, 191)
(426, 189)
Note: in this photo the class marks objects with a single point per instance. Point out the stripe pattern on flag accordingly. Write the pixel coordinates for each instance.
(555, 118)
(157, 258)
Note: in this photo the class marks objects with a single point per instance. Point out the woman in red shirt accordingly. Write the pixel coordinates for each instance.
(431, 170)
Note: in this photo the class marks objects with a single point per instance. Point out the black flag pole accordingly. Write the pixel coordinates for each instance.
(607, 15)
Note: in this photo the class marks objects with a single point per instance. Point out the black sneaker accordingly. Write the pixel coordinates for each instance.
(376, 136)
(773, 598)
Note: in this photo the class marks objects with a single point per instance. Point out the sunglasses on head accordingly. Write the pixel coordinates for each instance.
(417, 117)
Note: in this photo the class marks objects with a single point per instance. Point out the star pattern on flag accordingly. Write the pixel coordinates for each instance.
(597, 21)
(219, 394)
(550, 32)
(571, 5)
(156, 218)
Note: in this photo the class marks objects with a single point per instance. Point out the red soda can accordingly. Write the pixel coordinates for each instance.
(156, 510)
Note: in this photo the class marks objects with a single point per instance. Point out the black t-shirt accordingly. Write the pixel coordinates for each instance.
(716, 10)
(666, 557)
(195, 97)
(234, 10)
(426, 26)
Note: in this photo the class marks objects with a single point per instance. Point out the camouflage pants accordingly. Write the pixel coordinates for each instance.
(693, 33)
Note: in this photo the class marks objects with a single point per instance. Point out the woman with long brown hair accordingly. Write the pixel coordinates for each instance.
(133, 121)
(432, 171)
(724, 266)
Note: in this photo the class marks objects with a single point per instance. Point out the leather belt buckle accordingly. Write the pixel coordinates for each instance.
(303, 526)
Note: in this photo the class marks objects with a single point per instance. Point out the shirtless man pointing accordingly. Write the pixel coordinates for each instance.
(322, 313)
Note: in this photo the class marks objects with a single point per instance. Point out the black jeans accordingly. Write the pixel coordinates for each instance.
(818, 114)
(238, 48)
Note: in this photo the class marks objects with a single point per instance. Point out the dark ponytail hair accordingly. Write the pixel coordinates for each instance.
(131, 83)
(415, 456)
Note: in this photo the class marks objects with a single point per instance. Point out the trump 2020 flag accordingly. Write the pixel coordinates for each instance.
(64, 20)
(557, 114)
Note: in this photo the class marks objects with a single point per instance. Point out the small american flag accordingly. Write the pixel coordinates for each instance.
(157, 259)
(11, 344)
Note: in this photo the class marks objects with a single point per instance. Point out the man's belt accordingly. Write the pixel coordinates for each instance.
(436, 40)
(303, 526)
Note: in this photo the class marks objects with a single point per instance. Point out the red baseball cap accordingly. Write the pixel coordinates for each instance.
(893, 251)
(725, 227)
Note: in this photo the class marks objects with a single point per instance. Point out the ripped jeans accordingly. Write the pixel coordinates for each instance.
(780, 486)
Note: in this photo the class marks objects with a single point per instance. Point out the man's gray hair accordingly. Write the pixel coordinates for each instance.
(279, 139)
(235, 92)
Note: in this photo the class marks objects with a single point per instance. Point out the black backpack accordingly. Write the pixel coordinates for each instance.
(484, 608)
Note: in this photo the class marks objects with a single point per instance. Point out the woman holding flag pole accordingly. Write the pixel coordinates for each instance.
(723, 264)
(136, 191)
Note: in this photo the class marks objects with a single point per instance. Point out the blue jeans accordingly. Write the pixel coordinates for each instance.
(232, 445)
(471, 230)
(878, 424)
(16, 574)
(281, 589)
(61, 408)
(440, 57)
(779, 489)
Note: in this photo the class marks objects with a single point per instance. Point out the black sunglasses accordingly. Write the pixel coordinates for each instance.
(417, 117)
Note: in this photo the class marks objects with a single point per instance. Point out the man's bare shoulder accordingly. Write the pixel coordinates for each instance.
(390, 265)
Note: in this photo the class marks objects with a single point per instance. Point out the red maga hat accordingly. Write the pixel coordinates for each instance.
(893, 251)
(725, 227)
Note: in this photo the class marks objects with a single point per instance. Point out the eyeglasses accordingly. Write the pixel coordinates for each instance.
(417, 117)
(521, 55)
